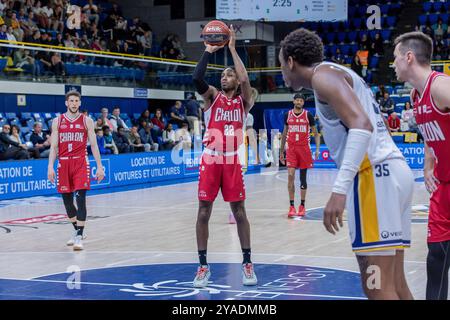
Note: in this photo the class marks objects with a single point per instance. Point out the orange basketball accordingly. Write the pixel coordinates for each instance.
(216, 33)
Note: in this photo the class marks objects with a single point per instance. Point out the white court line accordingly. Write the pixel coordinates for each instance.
(193, 253)
(201, 289)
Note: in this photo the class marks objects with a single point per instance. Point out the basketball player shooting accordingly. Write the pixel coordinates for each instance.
(373, 181)
(70, 132)
(225, 113)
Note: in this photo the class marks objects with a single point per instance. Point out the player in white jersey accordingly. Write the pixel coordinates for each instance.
(374, 182)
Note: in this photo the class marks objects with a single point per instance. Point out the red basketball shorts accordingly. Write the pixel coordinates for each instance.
(73, 174)
(299, 157)
(221, 172)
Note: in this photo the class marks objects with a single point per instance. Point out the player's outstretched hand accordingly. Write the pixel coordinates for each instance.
(100, 175)
(334, 210)
(51, 175)
(232, 42)
(212, 49)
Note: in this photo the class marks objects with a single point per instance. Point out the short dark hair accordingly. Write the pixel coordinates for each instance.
(106, 127)
(303, 46)
(73, 93)
(419, 43)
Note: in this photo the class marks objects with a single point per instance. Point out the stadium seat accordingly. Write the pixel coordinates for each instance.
(341, 37)
(391, 21)
(427, 7)
(444, 17)
(345, 49)
(25, 115)
(438, 6)
(352, 35)
(433, 18)
(357, 23)
(423, 19)
(373, 63)
(11, 116)
(386, 35)
(384, 9)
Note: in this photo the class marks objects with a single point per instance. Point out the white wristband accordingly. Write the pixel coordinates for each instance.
(355, 150)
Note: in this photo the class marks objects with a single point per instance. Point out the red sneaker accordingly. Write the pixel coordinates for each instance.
(292, 213)
(301, 211)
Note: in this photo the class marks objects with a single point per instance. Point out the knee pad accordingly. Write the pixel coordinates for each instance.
(303, 184)
(80, 197)
(68, 204)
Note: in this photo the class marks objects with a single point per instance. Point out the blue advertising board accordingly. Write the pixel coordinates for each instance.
(20, 179)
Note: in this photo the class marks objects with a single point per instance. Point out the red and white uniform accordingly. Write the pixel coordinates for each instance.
(73, 165)
(434, 125)
(220, 167)
(298, 150)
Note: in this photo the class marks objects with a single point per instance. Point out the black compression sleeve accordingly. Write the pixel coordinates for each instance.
(199, 74)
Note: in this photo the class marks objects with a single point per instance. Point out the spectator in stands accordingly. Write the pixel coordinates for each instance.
(158, 120)
(30, 27)
(109, 140)
(40, 17)
(101, 142)
(183, 138)
(394, 122)
(10, 149)
(115, 9)
(10, 34)
(145, 116)
(145, 43)
(3, 4)
(99, 124)
(438, 54)
(105, 117)
(146, 137)
(440, 28)
(387, 104)
(58, 41)
(4, 37)
(252, 137)
(178, 114)
(338, 57)
(135, 140)
(169, 138)
(357, 66)
(364, 42)
(40, 140)
(15, 136)
(121, 140)
(429, 32)
(380, 92)
(91, 12)
(57, 66)
(407, 114)
(376, 47)
(117, 121)
(58, 18)
(16, 25)
(23, 59)
(193, 114)
(412, 124)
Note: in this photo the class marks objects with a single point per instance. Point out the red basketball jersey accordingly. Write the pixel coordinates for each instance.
(72, 136)
(224, 122)
(434, 126)
(298, 128)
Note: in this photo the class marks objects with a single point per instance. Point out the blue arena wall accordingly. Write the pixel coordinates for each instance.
(21, 179)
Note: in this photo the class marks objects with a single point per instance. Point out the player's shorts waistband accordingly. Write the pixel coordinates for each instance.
(219, 153)
(69, 158)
